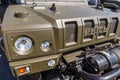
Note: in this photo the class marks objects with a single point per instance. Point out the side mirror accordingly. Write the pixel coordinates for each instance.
(113, 5)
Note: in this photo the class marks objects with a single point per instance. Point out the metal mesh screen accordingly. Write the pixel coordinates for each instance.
(103, 24)
(71, 31)
(89, 24)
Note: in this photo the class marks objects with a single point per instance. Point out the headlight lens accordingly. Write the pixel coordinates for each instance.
(45, 46)
(23, 44)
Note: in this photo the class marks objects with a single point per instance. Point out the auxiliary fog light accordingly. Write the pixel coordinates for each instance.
(51, 63)
(45, 46)
(24, 70)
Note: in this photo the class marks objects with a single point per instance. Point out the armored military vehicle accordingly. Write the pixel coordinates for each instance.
(61, 40)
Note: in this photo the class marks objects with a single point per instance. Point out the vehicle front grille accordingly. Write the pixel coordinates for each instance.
(71, 31)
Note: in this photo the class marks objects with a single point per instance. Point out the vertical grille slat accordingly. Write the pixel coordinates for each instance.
(88, 25)
(103, 24)
(114, 25)
(71, 31)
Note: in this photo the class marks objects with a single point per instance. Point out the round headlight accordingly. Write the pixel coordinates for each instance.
(45, 46)
(23, 44)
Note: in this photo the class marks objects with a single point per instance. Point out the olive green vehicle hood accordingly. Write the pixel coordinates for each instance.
(11, 22)
(43, 17)
(77, 11)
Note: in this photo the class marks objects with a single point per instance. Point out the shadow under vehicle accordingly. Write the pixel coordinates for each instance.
(61, 40)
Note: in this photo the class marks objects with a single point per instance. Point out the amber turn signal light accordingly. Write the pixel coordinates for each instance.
(22, 70)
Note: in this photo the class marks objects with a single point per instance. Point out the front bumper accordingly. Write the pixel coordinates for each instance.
(35, 65)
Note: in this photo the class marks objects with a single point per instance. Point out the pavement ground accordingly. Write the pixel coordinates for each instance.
(5, 73)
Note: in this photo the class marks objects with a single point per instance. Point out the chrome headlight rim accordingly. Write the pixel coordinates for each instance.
(23, 51)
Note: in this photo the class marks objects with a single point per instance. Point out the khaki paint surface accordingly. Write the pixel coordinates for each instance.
(43, 24)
